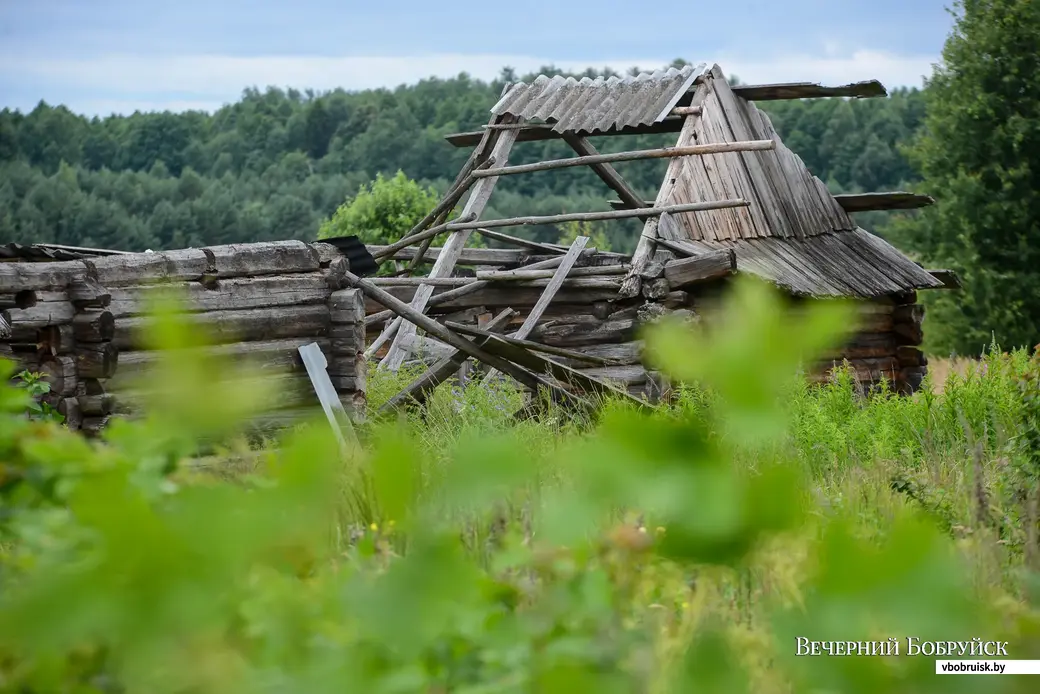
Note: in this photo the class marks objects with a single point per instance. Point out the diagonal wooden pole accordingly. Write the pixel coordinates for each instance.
(452, 249)
(548, 294)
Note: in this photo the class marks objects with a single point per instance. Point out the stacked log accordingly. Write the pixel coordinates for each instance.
(59, 326)
(257, 302)
(76, 321)
(886, 346)
(907, 326)
(346, 355)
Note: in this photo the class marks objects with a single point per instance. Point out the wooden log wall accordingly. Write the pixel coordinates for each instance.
(84, 323)
(886, 346)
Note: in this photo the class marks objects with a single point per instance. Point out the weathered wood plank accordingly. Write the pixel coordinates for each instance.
(895, 200)
(231, 294)
(809, 90)
(586, 332)
(551, 289)
(268, 258)
(700, 268)
(15, 277)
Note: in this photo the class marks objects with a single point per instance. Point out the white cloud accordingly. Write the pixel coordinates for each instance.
(123, 83)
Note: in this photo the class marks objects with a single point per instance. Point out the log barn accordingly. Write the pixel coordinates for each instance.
(734, 199)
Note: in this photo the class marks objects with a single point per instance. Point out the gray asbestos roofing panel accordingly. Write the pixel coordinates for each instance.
(595, 105)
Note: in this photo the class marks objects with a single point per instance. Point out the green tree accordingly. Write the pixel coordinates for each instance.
(383, 211)
(318, 130)
(977, 154)
(595, 231)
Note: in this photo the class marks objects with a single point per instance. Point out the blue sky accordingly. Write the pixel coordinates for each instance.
(104, 56)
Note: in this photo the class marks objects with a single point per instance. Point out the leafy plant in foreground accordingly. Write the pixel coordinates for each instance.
(119, 567)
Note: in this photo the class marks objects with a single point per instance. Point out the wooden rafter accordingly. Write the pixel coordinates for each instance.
(634, 155)
(607, 173)
(647, 246)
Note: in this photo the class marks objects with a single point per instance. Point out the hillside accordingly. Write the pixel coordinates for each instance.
(277, 162)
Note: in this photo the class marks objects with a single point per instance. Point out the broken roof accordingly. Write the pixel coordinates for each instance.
(793, 231)
(591, 105)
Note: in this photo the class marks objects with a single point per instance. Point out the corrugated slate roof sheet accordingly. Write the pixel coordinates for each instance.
(593, 105)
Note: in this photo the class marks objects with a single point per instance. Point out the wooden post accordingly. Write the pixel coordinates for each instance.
(646, 247)
(451, 251)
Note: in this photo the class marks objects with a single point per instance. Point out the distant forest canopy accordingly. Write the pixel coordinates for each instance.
(278, 162)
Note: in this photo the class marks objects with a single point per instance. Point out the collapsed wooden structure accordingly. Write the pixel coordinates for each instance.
(734, 199)
(565, 319)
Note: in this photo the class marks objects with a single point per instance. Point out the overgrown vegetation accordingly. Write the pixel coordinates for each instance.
(460, 550)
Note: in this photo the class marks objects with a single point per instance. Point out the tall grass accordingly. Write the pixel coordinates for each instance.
(950, 451)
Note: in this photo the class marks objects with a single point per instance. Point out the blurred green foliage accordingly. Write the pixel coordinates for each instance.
(679, 551)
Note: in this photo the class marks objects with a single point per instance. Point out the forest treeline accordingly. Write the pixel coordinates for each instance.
(277, 162)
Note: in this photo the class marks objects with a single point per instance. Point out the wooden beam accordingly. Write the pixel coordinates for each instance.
(808, 90)
(419, 389)
(523, 243)
(607, 173)
(417, 319)
(596, 216)
(526, 274)
(565, 374)
(596, 280)
(949, 278)
(559, 275)
(534, 346)
(560, 218)
(478, 158)
(469, 256)
(452, 249)
(634, 155)
(700, 268)
(896, 200)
